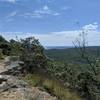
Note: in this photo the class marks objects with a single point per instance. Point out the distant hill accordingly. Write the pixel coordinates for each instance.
(57, 47)
(69, 53)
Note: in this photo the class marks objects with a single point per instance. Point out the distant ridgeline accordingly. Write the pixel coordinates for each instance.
(57, 47)
(64, 53)
(67, 47)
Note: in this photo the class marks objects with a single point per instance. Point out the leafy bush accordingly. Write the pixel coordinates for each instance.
(5, 46)
(1, 54)
(32, 54)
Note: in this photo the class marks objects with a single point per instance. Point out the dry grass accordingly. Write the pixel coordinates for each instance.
(52, 86)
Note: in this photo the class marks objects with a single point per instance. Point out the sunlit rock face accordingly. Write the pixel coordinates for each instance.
(11, 88)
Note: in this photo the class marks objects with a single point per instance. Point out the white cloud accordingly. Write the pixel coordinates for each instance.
(10, 1)
(59, 38)
(39, 13)
(51, 1)
(45, 7)
(12, 14)
(31, 15)
(66, 8)
(93, 26)
(45, 10)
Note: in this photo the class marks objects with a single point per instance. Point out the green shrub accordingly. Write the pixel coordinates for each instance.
(1, 54)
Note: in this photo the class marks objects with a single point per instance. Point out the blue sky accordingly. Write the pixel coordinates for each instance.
(53, 22)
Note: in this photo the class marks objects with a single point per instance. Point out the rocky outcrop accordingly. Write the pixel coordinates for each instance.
(13, 88)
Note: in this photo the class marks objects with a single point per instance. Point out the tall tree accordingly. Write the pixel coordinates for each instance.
(32, 54)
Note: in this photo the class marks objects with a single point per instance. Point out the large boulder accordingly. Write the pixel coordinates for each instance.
(12, 88)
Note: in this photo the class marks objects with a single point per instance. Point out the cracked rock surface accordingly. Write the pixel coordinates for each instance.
(12, 88)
